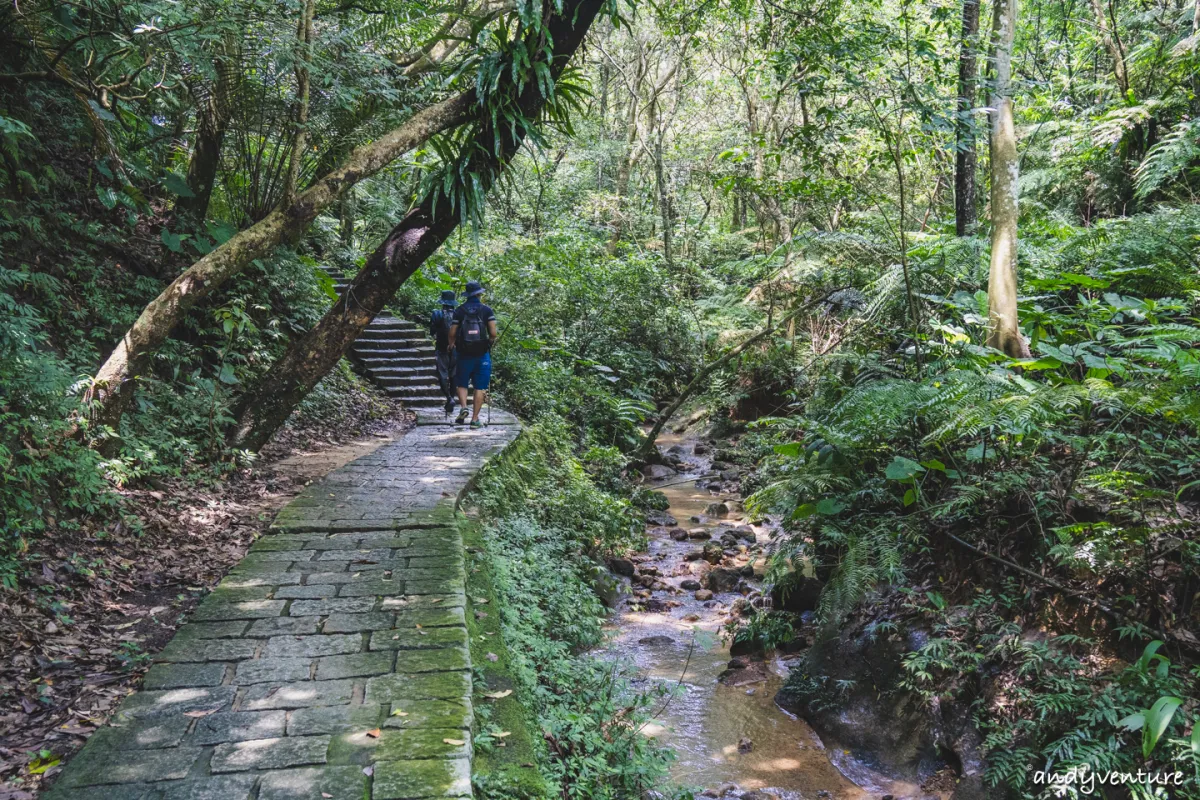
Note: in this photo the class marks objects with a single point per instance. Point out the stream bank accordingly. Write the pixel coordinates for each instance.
(703, 568)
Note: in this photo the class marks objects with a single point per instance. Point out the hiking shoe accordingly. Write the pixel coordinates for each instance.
(462, 416)
(476, 423)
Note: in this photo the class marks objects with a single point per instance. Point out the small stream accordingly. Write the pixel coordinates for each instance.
(731, 734)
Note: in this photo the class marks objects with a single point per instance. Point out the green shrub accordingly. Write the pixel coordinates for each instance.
(539, 476)
(590, 717)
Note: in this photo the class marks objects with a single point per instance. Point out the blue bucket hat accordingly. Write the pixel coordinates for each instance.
(474, 289)
(448, 297)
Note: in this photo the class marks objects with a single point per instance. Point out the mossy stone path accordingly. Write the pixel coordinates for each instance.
(332, 662)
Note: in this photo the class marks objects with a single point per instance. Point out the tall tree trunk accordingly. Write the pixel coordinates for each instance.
(664, 201)
(347, 211)
(965, 215)
(625, 171)
(112, 386)
(1112, 43)
(1004, 329)
(214, 106)
(402, 253)
(304, 53)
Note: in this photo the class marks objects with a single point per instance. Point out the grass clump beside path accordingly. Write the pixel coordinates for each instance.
(571, 727)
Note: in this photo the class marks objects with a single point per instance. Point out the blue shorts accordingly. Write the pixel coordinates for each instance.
(474, 369)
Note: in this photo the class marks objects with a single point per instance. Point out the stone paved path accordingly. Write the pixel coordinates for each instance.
(332, 662)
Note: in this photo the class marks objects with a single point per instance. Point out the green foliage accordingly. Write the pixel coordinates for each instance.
(590, 717)
(46, 473)
(765, 630)
(584, 336)
(540, 477)
(1053, 709)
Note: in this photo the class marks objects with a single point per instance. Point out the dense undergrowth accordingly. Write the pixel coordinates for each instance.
(71, 279)
(906, 463)
(546, 522)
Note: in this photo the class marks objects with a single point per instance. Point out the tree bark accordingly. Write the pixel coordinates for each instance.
(664, 202)
(347, 212)
(214, 104)
(625, 171)
(1112, 43)
(414, 239)
(112, 386)
(1004, 331)
(965, 214)
(304, 53)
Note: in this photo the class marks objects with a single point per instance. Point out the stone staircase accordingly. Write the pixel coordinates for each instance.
(397, 355)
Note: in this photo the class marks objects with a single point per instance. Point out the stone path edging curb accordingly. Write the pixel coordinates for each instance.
(332, 662)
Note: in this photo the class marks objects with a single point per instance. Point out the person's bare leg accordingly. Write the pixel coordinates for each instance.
(479, 393)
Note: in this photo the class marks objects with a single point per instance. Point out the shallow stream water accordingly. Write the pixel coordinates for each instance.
(705, 721)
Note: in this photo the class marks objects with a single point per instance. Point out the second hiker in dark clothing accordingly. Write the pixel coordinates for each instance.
(440, 322)
(471, 336)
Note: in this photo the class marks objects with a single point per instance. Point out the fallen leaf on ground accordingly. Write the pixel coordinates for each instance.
(199, 714)
(399, 713)
(374, 733)
(455, 742)
(493, 657)
(498, 695)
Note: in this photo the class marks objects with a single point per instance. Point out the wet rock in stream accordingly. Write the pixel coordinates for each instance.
(656, 641)
(621, 566)
(657, 471)
(661, 518)
(718, 509)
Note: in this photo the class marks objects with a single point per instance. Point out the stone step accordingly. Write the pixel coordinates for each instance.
(397, 371)
(376, 359)
(414, 392)
(392, 345)
(421, 379)
(404, 360)
(390, 331)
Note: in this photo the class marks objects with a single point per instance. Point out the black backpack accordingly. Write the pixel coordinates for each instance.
(442, 321)
(473, 339)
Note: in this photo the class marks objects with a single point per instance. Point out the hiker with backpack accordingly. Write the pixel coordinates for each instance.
(471, 336)
(440, 323)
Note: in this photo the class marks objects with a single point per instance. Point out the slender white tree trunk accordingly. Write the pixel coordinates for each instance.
(1004, 329)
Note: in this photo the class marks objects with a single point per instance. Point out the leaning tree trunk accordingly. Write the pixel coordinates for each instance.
(112, 387)
(965, 215)
(1004, 329)
(402, 253)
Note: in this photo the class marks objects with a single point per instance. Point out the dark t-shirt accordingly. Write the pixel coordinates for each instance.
(439, 326)
(486, 315)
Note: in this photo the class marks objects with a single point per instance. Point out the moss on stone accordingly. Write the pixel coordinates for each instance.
(509, 771)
